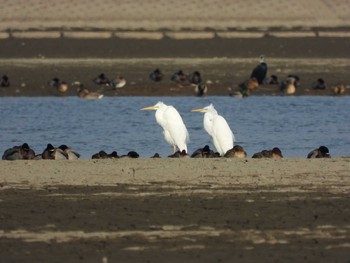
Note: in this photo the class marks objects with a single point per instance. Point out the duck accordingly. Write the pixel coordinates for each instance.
(236, 152)
(260, 71)
(179, 77)
(156, 155)
(59, 85)
(319, 84)
(72, 155)
(288, 87)
(272, 80)
(339, 89)
(204, 152)
(274, 153)
(201, 90)
(195, 78)
(22, 152)
(131, 154)
(118, 83)
(179, 154)
(4, 81)
(100, 155)
(320, 152)
(101, 80)
(250, 84)
(156, 75)
(103, 155)
(52, 153)
(84, 93)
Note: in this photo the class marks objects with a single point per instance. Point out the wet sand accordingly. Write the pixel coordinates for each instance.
(175, 210)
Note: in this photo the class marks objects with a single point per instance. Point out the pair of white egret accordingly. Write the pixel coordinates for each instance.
(176, 134)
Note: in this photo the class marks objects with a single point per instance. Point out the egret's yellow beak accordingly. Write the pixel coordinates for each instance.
(149, 108)
(198, 110)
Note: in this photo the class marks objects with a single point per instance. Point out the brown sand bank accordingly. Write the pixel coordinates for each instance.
(175, 210)
(224, 63)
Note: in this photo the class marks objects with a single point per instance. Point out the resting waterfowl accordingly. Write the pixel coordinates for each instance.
(236, 152)
(321, 152)
(201, 90)
(84, 93)
(272, 80)
(59, 85)
(260, 71)
(204, 152)
(339, 89)
(179, 154)
(52, 153)
(274, 153)
(4, 81)
(131, 154)
(118, 83)
(23, 152)
(156, 75)
(101, 80)
(179, 77)
(195, 78)
(72, 155)
(319, 84)
(288, 86)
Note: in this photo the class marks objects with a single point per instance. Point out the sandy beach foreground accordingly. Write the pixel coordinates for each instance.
(175, 210)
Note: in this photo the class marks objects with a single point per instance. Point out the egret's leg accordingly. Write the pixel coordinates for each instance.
(174, 149)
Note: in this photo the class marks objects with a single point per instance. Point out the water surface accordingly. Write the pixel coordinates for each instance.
(294, 124)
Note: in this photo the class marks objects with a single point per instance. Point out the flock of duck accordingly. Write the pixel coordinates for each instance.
(63, 152)
(258, 77)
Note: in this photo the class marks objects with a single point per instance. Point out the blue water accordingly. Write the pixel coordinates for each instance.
(294, 124)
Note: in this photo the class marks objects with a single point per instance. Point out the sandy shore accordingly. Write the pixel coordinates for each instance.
(175, 210)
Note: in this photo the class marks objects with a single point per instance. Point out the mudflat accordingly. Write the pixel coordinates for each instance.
(223, 63)
(175, 210)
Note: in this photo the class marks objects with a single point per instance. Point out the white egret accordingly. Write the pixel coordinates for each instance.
(174, 129)
(217, 127)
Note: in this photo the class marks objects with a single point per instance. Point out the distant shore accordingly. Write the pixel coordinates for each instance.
(224, 64)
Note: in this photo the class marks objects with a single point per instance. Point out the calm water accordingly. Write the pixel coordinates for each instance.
(295, 124)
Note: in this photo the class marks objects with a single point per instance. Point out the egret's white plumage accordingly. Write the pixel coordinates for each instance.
(217, 127)
(174, 129)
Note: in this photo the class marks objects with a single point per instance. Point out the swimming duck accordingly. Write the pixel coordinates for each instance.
(86, 94)
(59, 85)
(118, 83)
(321, 152)
(204, 152)
(274, 153)
(72, 155)
(23, 152)
(260, 71)
(179, 77)
(101, 80)
(201, 90)
(319, 84)
(156, 75)
(4, 81)
(52, 153)
(236, 152)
